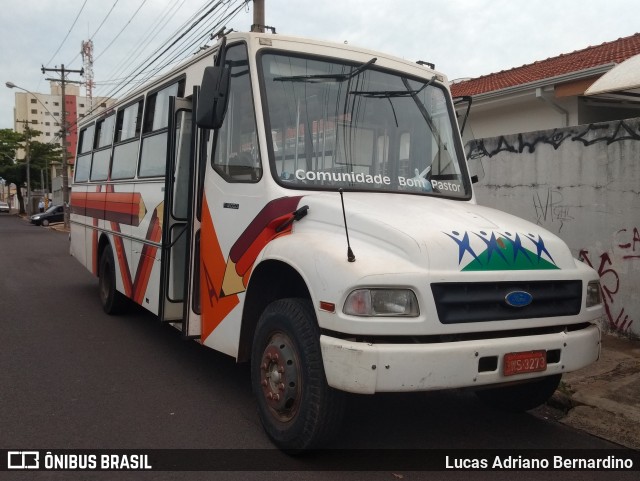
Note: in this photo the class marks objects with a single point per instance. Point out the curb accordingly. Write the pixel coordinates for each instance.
(603, 399)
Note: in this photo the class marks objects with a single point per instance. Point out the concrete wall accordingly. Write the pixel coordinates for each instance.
(582, 183)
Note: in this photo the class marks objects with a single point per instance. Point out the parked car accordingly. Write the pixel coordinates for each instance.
(4, 207)
(55, 213)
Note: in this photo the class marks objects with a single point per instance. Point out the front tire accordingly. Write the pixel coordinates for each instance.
(521, 397)
(45, 222)
(113, 302)
(297, 408)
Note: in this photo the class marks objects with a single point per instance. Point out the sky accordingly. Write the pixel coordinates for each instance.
(464, 38)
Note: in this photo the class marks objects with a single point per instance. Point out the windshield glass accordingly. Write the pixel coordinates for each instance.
(335, 125)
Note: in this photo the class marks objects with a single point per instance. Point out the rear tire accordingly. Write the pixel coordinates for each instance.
(521, 397)
(113, 302)
(297, 408)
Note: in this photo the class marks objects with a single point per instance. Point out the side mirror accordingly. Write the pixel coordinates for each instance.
(214, 97)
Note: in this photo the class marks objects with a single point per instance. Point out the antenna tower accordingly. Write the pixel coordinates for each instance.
(87, 64)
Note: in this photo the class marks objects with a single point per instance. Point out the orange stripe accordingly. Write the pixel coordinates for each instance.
(103, 205)
(94, 244)
(212, 268)
(94, 249)
(122, 261)
(143, 273)
(147, 258)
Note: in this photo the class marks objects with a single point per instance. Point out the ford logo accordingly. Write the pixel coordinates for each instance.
(518, 299)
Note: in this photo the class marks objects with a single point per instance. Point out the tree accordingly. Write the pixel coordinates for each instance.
(14, 170)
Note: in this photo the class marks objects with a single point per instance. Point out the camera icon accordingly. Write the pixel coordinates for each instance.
(23, 460)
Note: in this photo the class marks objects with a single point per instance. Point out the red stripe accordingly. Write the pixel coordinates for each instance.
(147, 258)
(122, 261)
(122, 207)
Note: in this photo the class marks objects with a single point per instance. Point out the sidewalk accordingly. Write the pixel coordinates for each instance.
(604, 399)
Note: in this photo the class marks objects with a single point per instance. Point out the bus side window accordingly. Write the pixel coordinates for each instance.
(102, 152)
(127, 139)
(83, 162)
(154, 138)
(236, 157)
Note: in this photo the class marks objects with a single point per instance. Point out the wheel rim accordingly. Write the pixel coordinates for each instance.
(280, 377)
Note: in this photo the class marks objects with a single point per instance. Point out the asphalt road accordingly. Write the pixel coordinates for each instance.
(72, 377)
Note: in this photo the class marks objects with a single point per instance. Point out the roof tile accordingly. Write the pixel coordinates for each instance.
(609, 52)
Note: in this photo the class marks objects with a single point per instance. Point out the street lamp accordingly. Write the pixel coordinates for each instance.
(11, 85)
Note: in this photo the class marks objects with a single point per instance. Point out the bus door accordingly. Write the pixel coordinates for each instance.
(233, 197)
(179, 222)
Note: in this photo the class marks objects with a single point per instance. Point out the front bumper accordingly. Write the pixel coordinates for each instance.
(368, 368)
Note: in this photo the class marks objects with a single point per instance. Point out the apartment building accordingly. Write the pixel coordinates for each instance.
(43, 112)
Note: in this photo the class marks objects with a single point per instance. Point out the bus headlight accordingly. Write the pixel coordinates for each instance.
(382, 302)
(593, 294)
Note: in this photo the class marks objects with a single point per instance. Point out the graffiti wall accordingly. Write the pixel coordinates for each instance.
(583, 184)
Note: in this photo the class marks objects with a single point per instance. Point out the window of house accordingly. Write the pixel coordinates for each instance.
(35, 122)
(56, 104)
(33, 101)
(48, 134)
(154, 139)
(34, 111)
(81, 105)
(57, 114)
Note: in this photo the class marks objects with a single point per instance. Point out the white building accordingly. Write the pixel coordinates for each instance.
(549, 93)
(43, 112)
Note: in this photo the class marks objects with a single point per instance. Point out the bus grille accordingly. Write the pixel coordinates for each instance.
(460, 302)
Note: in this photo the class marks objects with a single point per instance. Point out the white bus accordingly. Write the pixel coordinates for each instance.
(307, 207)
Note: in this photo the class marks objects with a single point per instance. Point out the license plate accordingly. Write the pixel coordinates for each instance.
(522, 362)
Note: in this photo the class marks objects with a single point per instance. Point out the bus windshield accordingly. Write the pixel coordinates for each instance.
(336, 125)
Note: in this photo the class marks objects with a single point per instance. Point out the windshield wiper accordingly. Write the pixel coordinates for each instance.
(384, 94)
(387, 94)
(340, 77)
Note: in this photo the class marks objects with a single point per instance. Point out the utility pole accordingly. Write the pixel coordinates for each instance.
(65, 168)
(27, 158)
(258, 16)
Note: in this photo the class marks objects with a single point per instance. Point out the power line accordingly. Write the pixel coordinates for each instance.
(122, 30)
(148, 63)
(177, 36)
(98, 29)
(118, 70)
(67, 35)
(105, 18)
(202, 33)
